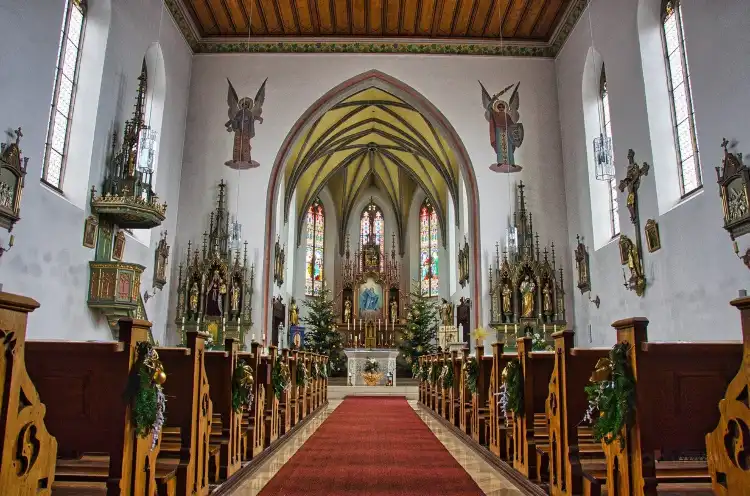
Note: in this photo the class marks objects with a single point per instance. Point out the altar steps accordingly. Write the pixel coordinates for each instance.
(410, 392)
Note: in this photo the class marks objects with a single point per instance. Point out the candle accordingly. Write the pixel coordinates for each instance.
(183, 323)
(544, 329)
(378, 324)
(347, 325)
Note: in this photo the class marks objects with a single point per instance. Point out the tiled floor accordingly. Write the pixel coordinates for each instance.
(487, 477)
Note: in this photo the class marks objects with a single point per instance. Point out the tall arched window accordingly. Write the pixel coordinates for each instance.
(372, 222)
(680, 93)
(606, 130)
(314, 254)
(63, 96)
(428, 249)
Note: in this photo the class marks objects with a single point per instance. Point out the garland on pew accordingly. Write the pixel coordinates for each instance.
(611, 392)
(242, 386)
(434, 374)
(446, 376)
(416, 371)
(511, 391)
(280, 378)
(323, 371)
(316, 371)
(302, 378)
(145, 393)
(471, 374)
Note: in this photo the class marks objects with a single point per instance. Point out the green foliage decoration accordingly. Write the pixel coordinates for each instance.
(302, 378)
(471, 374)
(514, 387)
(242, 386)
(280, 378)
(144, 391)
(372, 366)
(447, 376)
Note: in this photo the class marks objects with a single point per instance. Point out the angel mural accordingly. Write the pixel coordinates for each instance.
(506, 133)
(242, 116)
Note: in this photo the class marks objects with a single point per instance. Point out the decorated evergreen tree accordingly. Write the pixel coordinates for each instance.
(321, 335)
(421, 325)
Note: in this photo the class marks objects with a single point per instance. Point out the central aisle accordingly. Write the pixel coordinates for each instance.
(374, 446)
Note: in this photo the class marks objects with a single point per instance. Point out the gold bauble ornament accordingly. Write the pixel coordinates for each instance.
(419, 349)
(505, 374)
(602, 370)
(160, 377)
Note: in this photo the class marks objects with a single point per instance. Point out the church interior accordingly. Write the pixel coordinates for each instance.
(434, 247)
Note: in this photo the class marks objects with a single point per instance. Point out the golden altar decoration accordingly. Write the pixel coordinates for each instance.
(12, 173)
(215, 285)
(372, 378)
(526, 287)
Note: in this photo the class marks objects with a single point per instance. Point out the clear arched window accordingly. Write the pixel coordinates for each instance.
(63, 96)
(606, 131)
(428, 249)
(680, 93)
(371, 223)
(315, 238)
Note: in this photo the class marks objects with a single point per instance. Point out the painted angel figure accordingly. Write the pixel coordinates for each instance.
(506, 133)
(243, 112)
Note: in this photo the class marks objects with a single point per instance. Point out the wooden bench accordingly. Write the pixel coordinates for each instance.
(728, 444)
(445, 392)
(189, 415)
(252, 420)
(454, 393)
(675, 406)
(530, 427)
(285, 408)
(27, 450)
(499, 433)
(227, 425)
(464, 396)
(83, 385)
(480, 411)
(271, 418)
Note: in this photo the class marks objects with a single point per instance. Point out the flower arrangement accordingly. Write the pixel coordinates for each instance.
(611, 392)
(242, 386)
(281, 379)
(471, 374)
(145, 393)
(372, 374)
(372, 366)
(539, 343)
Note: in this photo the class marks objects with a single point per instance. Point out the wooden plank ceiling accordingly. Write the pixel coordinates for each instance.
(530, 20)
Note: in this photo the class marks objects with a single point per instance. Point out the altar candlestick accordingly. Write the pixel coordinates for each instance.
(183, 323)
(515, 330)
(347, 325)
(544, 329)
(378, 324)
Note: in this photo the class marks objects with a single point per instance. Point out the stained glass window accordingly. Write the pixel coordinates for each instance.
(680, 92)
(606, 130)
(428, 249)
(372, 222)
(315, 237)
(63, 96)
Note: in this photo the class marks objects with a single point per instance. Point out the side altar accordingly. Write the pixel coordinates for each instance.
(357, 359)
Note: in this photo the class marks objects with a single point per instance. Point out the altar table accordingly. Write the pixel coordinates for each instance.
(357, 358)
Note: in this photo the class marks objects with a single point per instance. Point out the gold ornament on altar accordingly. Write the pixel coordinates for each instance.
(479, 334)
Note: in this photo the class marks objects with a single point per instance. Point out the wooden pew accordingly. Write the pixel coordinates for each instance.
(464, 397)
(189, 414)
(728, 444)
(454, 399)
(294, 401)
(445, 392)
(253, 420)
(220, 367)
(285, 408)
(688, 379)
(479, 401)
(27, 450)
(530, 428)
(499, 433)
(326, 363)
(566, 407)
(271, 415)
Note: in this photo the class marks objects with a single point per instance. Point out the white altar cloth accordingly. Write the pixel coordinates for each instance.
(357, 358)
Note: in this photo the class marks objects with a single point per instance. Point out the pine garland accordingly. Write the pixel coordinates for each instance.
(280, 378)
(471, 374)
(302, 378)
(513, 390)
(447, 376)
(323, 371)
(416, 371)
(144, 392)
(434, 374)
(242, 386)
(611, 392)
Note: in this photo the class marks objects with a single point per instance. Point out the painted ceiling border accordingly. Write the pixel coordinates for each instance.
(376, 45)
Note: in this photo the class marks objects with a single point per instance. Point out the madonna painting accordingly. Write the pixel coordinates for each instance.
(370, 299)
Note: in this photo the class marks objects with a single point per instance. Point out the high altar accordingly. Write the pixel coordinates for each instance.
(525, 287)
(215, 286)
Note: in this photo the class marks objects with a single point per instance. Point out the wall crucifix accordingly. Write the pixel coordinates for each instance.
(631, 253)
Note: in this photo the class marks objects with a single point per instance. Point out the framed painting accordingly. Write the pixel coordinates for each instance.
(90, 232)
(119, 248)
(653, 240)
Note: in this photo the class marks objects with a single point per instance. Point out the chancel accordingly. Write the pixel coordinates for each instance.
(467, 247)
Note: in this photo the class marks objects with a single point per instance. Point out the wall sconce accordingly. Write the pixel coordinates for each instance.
(596, 301)
(745, 258)
(147, 295)
(10, 245)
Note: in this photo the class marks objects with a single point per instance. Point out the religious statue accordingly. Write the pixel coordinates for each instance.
(632, 182)
(216, 292)
(547, 299)
(235, 298)
(506, 133)
(293, 313)
(446, 312)
(194, 298)
(394, 310)
(506, 299)
(527, 291)
(242, 116)
(630, 256)
(347, 310)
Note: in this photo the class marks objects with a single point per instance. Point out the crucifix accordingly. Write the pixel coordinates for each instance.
(632, 253)
(632, 182)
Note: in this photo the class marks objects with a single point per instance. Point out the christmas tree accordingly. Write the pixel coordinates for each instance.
(321, 335)
(421, 325)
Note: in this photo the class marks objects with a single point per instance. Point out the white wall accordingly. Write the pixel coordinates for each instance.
(695, 274)
(296, 81)
(49, 262)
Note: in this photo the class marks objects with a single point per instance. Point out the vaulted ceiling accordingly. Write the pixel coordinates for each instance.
(222, 25)
(374, 139)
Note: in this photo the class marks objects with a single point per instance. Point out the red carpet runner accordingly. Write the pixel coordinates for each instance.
(372, 446)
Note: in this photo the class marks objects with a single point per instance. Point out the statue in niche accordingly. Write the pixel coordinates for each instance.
(506, 133)
(216, 292)
(446, 312)
(235, 298)
(242, 116)
(394, 310)
(194, 291)
(527, 291)
(506, 299)
(347, 310)
(293, 313)
(547, 299)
